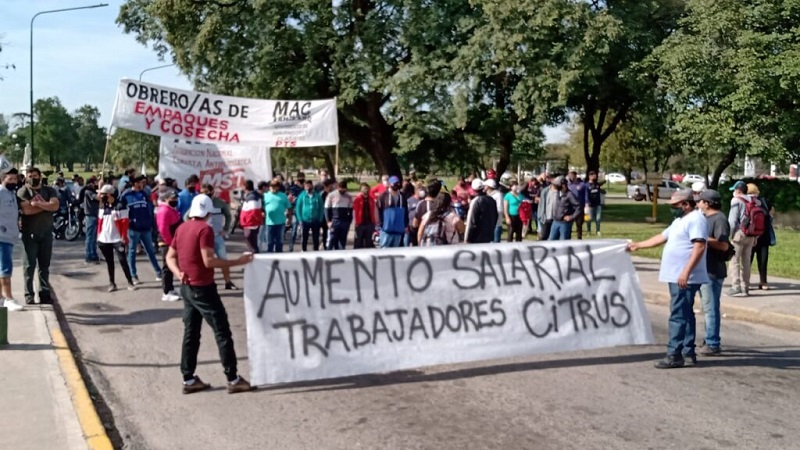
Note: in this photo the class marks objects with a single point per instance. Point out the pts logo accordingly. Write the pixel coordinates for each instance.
(223, 179)
(288, 111)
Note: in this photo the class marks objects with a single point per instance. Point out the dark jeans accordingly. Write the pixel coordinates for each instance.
(515, 230)
(312, 228)
(167, 278)
(90, 224)
(682, 323)
(203, 302)
(364, 234)
(108, 251)
(579, 221)
(544, 230)
(761, 252)
(338, 235)
(251, 236)
(324, 234)
(38, 250)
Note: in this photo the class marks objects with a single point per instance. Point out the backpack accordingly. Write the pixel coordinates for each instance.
(754, 221)
(435, 233)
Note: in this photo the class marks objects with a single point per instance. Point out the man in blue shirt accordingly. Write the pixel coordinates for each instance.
(683, 268)
(186, 196)
(140, 215)
(125, 179)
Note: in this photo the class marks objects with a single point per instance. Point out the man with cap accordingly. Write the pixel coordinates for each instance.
(490, 185)
(683, 268)
(482, 216)
(191, 257)
(742, 244)
(141, 220)
(566, 208)
(339, 216)
(91, 207)
(719, 232)
(392, 215)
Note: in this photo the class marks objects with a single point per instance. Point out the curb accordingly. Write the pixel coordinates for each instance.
(743, 313)
(91, 426)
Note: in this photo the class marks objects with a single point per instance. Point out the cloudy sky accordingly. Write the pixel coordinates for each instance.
(78, 56)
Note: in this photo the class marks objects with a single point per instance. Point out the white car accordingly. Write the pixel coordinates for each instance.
(615, 178)
(690, 178)
(641, 192)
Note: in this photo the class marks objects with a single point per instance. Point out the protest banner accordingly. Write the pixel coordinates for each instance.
(226, 167)
(209, 118)
(333, 314)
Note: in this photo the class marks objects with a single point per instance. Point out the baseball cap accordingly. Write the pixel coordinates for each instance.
(698, 186)
(202, 205)
(477, 184)
(491, 174)
(394, 180)
(752, 189)
(558, 181)
(107, 189)
(740, 186)
(711, 196)
(490, 183)
(681, 196)
(167, 194)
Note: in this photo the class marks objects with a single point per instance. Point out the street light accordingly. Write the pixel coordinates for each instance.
(99, 5)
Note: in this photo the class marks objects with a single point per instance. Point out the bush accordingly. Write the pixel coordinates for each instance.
(783, 195)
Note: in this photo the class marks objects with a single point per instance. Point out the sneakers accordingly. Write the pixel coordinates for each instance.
(132, 286)
(741, 294)
(240, 385)
(229, 286)
(733, 292)
(170, 297)
(112, 287)
(690, 360)
(136, 281)
(29, 301)
(159, 276)
(711, 351)
(12, 305)
(196, 386)
(670, 362)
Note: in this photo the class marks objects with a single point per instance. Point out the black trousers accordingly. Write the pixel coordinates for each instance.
(312, 228)
(38, 250)
(579, 224)
(167, 278)
(108, 251)
(761, 253)
(515, 230)
(203, 302)
(324, 234)
(251, 236)
(544, 230)
(364, 236)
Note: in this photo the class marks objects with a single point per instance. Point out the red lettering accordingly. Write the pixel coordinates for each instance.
(139, 108)
(223, 125)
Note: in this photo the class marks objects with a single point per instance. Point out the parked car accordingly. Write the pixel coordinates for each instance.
(615, 178)
(640, 192)
(676, 177)
(690, 178)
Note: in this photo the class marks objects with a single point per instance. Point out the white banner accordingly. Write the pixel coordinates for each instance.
(226, 167)
(335, 314)
(202, 117)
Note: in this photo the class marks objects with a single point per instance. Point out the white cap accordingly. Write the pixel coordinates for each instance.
(477, 184)
(202, 205)
(490, 183)
(698, 186)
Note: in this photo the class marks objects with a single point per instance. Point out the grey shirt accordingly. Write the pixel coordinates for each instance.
(9, 216)
(719, 229)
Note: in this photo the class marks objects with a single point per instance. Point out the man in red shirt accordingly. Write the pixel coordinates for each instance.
(191, 258)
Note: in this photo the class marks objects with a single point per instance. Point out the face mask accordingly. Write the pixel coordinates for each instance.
(677, 213)
(11, 186)
(173, 203)
(421, 194)
(35, 182)
(191, 190)
(310, 190)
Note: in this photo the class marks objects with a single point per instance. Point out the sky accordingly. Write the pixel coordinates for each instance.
(80, 56)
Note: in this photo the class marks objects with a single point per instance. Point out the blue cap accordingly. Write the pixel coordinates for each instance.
(740, 185)
(393, 180)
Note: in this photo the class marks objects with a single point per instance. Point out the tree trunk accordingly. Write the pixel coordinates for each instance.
(329, 162)
(376, 137)
(599, 132)
(726, 161)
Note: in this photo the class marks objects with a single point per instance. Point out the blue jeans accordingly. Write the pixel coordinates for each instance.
(295, 226)
(262, 238)
(6, 259)
(146, 238)
(595, 215)
(710, 294)
(391, 240)
(560, 231)
(682, 325)
(275, 238)
(498, 234)
(91, 238)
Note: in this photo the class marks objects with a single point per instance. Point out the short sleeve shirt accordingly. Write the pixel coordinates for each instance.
(190, 238)
(275, 205)
(513, 203)
(42, 222)
(719, 229)
(680, 236)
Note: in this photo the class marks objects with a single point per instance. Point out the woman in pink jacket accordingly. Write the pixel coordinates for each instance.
(167, 219)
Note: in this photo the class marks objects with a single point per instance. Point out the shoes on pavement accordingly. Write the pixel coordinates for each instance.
(197, 386)
(170, 297)
(670, 362)
(765, 287)
(29, 301)
(132, 286)
(229, 286)
(12, 305)
(711, 351)
(733, 291)
(45, 301)
(240, 385)
(159, 276)
(689, 360)
(112, 287)
(136, 281)
(741, 294)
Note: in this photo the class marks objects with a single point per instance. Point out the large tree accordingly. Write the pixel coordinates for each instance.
(90, 137)
(55, 135)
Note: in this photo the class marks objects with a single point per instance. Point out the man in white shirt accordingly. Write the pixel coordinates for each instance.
(683, 268)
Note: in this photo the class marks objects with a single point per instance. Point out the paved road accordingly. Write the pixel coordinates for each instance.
(609, 399)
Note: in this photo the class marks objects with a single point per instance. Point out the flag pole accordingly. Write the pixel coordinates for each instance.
(336, 165)
(105, 156)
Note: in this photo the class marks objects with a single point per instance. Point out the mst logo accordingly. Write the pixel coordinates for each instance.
(289, 111)
(223, 179)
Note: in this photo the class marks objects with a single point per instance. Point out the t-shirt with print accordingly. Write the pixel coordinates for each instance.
(275, 205)
(719, 229)
(43, 221)
(678, 249)
(190, 238)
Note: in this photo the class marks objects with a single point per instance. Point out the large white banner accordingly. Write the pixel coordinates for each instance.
(202, 117)
(335, 314)
(226, 167)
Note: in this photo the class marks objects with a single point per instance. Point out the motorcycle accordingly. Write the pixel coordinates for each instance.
(68, 224)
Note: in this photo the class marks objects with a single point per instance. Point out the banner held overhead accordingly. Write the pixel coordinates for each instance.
(335, 314)
(219, 119)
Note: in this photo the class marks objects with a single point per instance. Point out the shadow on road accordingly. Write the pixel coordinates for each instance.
(143, 317)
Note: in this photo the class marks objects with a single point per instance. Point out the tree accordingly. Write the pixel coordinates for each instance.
(128, 147)
(379, 57)
(91, 138)
(3, 126)
(55, 136)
